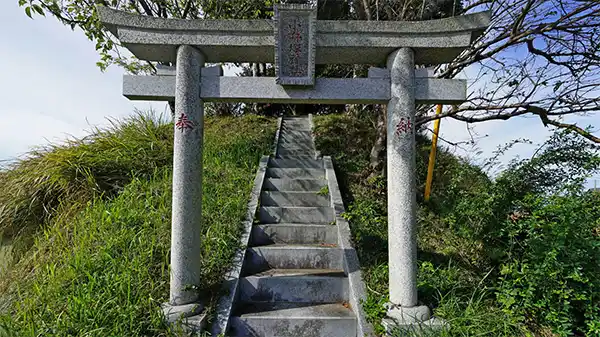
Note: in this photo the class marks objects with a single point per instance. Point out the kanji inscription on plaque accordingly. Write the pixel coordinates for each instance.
(295, 44)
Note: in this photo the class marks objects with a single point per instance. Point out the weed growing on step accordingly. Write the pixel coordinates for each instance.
(324, 191)
(102, 269)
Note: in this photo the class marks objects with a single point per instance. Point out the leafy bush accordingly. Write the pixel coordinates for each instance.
(515, 255)
(550, 275)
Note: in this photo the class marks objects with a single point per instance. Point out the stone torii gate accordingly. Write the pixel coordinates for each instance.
(295, 41)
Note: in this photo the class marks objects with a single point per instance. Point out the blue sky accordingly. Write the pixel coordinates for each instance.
(50, 87)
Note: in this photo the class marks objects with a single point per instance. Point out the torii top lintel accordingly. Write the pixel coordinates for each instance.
(336, 42)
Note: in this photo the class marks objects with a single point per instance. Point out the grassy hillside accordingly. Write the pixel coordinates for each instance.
(90, 223)
(514, 256)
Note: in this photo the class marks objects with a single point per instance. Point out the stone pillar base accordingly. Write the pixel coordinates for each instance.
(415, 320)
(408, 315)
(189, 317)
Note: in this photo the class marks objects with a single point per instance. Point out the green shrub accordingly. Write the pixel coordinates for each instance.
(550, 275)
(511, 256)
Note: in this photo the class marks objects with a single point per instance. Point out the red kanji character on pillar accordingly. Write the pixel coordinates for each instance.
(183, 122)
(404, 126)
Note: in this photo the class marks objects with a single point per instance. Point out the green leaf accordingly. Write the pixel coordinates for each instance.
(38, 9)
(28, 12)
(558, 85)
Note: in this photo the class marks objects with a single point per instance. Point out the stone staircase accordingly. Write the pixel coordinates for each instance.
(293, 281)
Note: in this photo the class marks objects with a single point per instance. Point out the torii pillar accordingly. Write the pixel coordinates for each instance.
(402, 203)
(187, 186)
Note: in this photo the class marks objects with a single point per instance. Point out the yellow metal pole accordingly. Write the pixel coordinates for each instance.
(436, 130)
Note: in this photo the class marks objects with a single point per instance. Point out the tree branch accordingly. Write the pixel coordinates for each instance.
(186, 9)
(146, 8)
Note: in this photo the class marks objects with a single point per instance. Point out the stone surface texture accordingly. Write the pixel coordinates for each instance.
(174, 313)
(295, 44)
(349, 42)
(266, 90)
(294, 234)
(375, 72)
(424, 328)
(163, 70)
(401, 168)
(277, 133)
(409, 315)
(295, 279)
(292, 319)
(357, 289)
(187, 179)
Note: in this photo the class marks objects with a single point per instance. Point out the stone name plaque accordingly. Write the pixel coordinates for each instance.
(295, 26)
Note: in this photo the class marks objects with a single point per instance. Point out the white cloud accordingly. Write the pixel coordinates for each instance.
(50, 84)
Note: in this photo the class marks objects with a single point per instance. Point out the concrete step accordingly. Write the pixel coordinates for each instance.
(298, 131)
(290, 132)
(286, 184)
(296, 127)
(296, 173)
(296, 156)
(296, 143)
(293, 153)
(287, 156)
(295, 147)
(293, 319)
(285, 256)
(296, 163)
(306, 199)
(295, 285)
(291, 138)
(296, 120)
(288, 233)
(274, 214)
(299, 120)
(296, 138)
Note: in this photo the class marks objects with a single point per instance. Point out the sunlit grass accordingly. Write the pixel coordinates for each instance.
(101, 269)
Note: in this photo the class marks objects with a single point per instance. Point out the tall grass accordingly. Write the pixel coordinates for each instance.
(54, 178)
(101, 268)
(451, 267)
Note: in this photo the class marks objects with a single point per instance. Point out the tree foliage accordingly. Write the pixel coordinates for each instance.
(82, 14)
(539, 58)
(512, 256)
